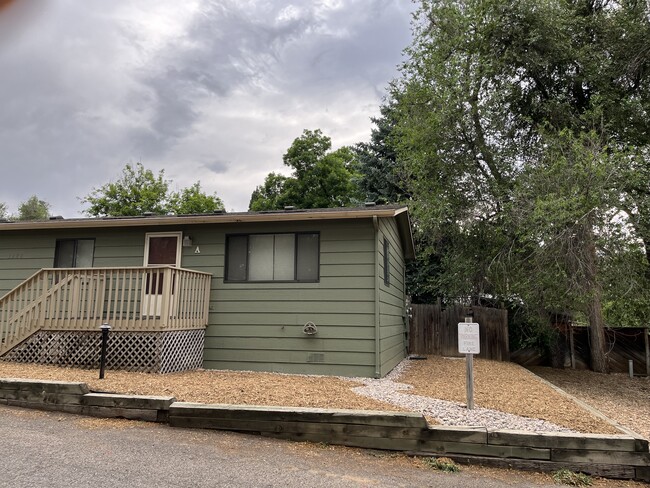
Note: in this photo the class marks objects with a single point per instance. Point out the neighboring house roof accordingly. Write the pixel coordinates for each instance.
(400, 213)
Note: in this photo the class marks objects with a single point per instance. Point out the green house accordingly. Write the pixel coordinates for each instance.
(296, 291)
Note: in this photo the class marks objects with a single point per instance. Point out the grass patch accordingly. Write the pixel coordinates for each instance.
(571, 478)
(442, 464)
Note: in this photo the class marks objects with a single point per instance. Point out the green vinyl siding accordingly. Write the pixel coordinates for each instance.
(259, 326)
(392, 297)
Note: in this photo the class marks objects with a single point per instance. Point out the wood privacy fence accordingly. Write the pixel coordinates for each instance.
(622, 345)
(434, 330)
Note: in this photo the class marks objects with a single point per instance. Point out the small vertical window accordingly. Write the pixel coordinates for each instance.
(386, 262)
(74, 253)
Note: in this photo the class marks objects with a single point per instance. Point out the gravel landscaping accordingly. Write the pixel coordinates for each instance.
(506, 395)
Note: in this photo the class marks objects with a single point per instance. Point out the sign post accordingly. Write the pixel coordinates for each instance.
(469, 344)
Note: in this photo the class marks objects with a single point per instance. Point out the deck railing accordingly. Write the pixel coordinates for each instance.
(129, 299)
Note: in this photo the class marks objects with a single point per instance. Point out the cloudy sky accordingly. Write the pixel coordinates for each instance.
(214, 91)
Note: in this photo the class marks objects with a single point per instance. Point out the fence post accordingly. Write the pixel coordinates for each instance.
(630, 368)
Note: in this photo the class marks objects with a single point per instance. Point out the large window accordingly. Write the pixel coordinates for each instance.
(272, 257)
(74, 253)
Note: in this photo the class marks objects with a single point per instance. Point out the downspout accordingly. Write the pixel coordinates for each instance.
(375, 223)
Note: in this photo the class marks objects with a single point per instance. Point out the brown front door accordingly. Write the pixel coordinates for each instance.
(161, 248)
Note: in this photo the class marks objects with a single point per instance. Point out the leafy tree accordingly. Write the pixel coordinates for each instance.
(192, 200)
(459, 169)
(3, 210)
(566, 220)
(33, 209)
(498, 97)
(270, 195)
(321, 178)
(380, 178)
(138, 191)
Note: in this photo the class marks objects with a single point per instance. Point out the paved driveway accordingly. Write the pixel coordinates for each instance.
(59, 450)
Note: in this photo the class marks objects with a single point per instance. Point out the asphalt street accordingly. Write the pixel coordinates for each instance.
(60, 450)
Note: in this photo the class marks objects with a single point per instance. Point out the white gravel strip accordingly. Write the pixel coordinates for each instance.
(388, 389)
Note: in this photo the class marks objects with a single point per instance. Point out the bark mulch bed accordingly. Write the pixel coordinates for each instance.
(623, 399)
(500, 386)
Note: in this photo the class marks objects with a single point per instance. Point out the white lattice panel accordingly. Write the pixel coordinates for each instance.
(153, 352)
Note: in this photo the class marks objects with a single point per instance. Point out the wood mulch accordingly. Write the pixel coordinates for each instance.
(501, 386)
(506, 387)
(621, 398)
(206, 386)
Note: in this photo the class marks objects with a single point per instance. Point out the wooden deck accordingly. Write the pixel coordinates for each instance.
(133, 299)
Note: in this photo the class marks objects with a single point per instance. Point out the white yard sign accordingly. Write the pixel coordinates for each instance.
(468, 338)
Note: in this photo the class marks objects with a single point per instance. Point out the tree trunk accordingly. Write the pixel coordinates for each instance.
(594, 307)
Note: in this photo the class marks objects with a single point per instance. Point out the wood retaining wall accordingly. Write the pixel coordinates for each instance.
(71, 397)
(613, 456)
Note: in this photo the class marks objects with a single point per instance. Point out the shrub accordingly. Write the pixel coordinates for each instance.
(568, 477)
(443, 464)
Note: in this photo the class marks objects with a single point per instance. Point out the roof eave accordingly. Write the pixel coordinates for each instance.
(155, 221)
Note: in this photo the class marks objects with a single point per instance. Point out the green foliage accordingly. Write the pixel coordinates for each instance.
(321, 178)
(442, 464)
(270, 195)
(3, 210)
(557, 205)
(33, 209)
(524, 143)
(380, 178)
(571, 478)
(192, 200)
(138, 191)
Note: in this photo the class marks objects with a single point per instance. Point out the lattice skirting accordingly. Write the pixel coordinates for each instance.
(152, 352)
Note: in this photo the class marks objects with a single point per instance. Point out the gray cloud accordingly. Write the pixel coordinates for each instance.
(217, 166)
(209, 90)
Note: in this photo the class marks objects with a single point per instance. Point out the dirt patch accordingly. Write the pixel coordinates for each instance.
(500, 386)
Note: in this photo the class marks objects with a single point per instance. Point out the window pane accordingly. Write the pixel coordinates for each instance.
(386, 262)
(260, 258)
(284, 258)
(237, 252)
(307, 257)
(85, 251)
(64, 254)
(162, 250)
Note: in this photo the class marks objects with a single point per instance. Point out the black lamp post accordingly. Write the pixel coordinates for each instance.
(102, 361)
